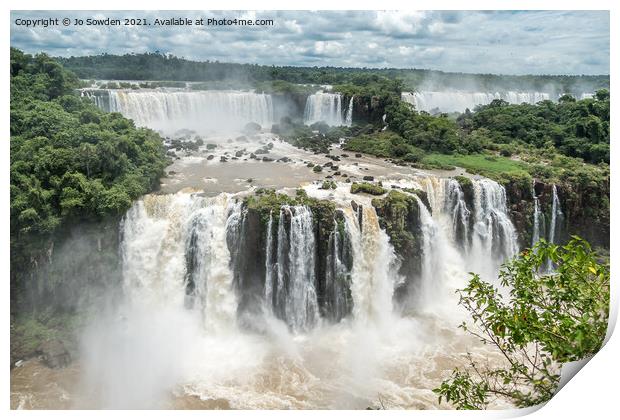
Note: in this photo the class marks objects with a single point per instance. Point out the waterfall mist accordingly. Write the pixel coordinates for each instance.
(223, 305)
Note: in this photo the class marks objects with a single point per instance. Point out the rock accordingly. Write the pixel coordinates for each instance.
(344, 155)
(358, 155)
(251, 128)
(267, 159)
(252, 156)
(172, 173)
(328, 165)
(239, 153)
(223, 159)
(353, 205)
(210, 157)
(368, 178)
(54, 354)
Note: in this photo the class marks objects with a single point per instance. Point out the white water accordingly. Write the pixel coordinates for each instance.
(324, 107)
(373, 260)
(298, 359)
(537, 216)
(556, 214)
(459, 101)
(171, 110)
(348, 121)
(297, 251)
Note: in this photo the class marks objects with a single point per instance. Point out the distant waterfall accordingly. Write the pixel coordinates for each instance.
(325, 107)
(173, 110)
(349, 115)
(459, 101)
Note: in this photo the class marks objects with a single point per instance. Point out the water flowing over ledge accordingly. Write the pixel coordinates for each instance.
(459, 101)
(171, 110)
(327, 108)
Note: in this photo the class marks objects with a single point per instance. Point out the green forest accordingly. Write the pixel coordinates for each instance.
(166, 67)
(70, 161)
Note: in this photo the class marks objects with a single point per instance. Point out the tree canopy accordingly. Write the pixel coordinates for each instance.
(70, 161)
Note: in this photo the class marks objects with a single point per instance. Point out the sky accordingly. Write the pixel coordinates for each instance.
(500, 42)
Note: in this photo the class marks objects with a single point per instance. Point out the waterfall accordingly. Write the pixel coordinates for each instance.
(372, 285)
(172, 255)
(173, 110)
(494, 233)
(456, 206)
(338, 274)
(324, 107)
(458, 101)
(556, 214)
(536, 225)
(292, 287)
(349, 115)
(201, 253)
(269, 275)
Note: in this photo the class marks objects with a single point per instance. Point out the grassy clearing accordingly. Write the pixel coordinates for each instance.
(492, 166)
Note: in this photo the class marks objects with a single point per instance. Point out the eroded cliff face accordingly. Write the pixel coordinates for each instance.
(399, 216)
(581, 211)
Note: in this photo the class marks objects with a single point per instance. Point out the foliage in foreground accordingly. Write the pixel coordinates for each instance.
(546, 320)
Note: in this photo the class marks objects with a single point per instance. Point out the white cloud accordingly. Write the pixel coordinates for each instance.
(468, 41)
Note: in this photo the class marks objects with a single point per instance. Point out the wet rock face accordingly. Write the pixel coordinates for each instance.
(399, 215)
(54, 354)
(585, 211)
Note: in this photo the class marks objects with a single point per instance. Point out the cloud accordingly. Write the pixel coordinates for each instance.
(526, 42)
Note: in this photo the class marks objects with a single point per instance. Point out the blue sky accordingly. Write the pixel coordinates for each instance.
(525, 42)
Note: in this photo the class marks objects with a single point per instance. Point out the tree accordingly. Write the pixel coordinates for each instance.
(547, 319)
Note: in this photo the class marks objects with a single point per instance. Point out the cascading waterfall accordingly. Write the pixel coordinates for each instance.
(458, 101)
(494, 233)
(480, 228)
(222, 266)
(172, 254)
(537, 218)
(290, 288)
(324, 107)
(556, 215)
(372, 285)
(348, 121)
(455, 204)
(338, 273)
(173, 110)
